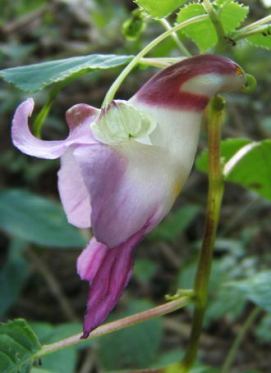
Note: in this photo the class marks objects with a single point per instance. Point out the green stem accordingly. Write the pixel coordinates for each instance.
(42, 115)
(160, 62)
(239, 339)
(175, 37)
(118, 324)
(216, 22)
(261, 21)
(215, 194)
(244, 33)
(125, 72)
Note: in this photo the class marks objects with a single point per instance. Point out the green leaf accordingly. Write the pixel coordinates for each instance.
(260, 40)
(12, 275)
(134, 347)
(175, 224)
(18, 344)
(228, 148)
(63, 361)
(33, 78)
(202, 33)
(223, 300)
(252, 171)
(159, 8)
(257, 289)
(37, 220)
(232, 14)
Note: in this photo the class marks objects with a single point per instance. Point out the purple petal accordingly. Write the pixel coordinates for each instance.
(29, 144)
(127, 186)
(73, 192)
(79, 114)
(108, 271)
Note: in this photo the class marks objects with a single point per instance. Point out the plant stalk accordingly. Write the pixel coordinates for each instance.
(126, 71)
(216, 22)
(215, 116)
(174, 36)
(118, 325)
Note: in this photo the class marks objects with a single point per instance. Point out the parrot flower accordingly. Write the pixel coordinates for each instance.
(123, 166)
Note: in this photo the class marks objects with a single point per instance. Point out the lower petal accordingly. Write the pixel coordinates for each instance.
(73, 192)
(128, 184)
(108, 271)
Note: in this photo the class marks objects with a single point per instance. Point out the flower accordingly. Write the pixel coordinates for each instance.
(122, 167)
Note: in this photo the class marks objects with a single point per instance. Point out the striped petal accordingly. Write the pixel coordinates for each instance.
(128, 185)
(108, 271)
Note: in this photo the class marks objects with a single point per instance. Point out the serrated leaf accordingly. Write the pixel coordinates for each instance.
(33, 78)
(260, 40)
(159, 8)
(202, 33)
(232, 14)
(36, 219)
(257, 289)
(18, 344)
(252, 171)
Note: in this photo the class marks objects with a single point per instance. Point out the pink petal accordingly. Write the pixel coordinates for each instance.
(73, 192)
(109, 271)
(29, 144)
(127, 186)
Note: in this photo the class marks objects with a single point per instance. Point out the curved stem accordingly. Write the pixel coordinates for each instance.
(215, 20)
(125, 72)
(244, 33)
(253, 25)
(215, 193)
(239, 339)
(174, 36)
(161, 62)
(118, 325)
